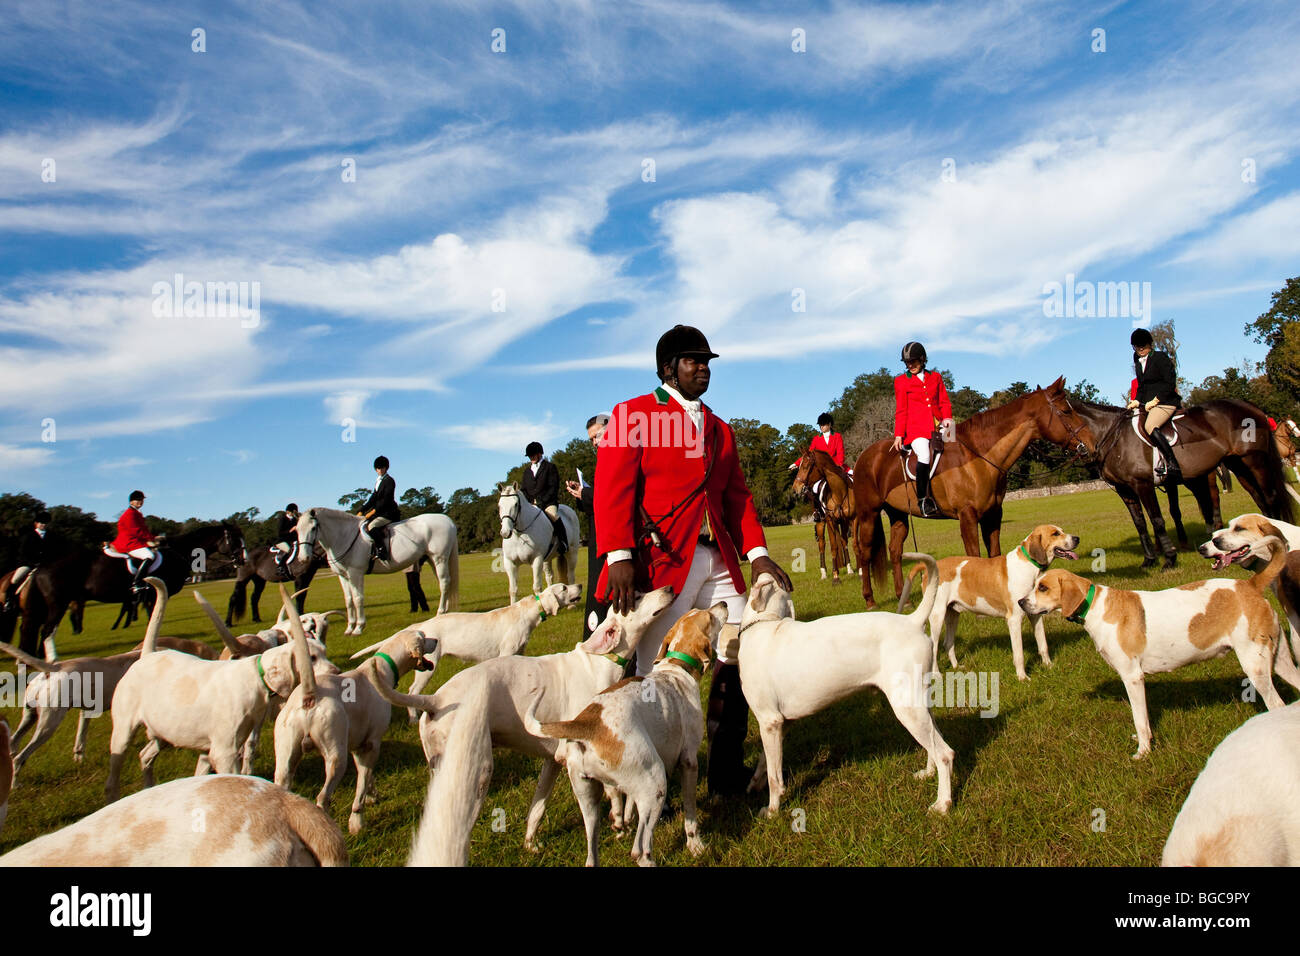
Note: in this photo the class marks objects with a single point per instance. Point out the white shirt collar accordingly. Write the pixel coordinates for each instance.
(535, 465)
(377, 482)
(691, 405)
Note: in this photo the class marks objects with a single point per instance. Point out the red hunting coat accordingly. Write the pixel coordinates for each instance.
(651, 456)
(132, 532)
(833, 447)
(919, 406)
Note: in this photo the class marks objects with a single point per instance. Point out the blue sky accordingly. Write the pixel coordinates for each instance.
(516, 179)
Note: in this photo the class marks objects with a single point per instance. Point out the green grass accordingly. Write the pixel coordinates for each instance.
(1027, 784)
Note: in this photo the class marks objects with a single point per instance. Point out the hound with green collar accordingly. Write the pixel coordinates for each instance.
(484, 635)
(994, 587)
(349, 716)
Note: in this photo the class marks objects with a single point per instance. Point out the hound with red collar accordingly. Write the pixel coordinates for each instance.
(994, 587)
(1150, 632)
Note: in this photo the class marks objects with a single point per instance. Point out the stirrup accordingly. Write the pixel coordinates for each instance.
(929, 507)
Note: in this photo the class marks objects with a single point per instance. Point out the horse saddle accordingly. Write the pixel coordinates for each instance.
(1169, 429)
(109, 551)
(909, 462)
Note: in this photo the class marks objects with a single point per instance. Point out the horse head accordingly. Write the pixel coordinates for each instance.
(308, 529)
(508, 510)
(807, 474)
(1058, 421)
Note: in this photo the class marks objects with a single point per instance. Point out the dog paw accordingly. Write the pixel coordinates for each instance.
(1023, 677)
(767, 813)
(354, 824)
(696, 846)
(77, 758)
(646, 861)
(941, 806)
(924, 773)
(531, 846)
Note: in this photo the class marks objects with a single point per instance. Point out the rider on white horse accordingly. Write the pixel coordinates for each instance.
(380, 509)
(540, 484)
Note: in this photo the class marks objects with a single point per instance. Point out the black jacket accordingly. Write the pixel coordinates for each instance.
(382, 502)
(35, 549)
(542, 489)
(594, 562)
(288, 530)
(1159, 380)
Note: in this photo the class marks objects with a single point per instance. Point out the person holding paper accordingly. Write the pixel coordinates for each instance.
(585, 499)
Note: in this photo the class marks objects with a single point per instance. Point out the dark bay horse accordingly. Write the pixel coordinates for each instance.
(833, 509)
(971, 480)
(87, 575)
(1225, 431)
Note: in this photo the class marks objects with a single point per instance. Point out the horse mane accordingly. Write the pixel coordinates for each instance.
(333, 511)
(826, 462)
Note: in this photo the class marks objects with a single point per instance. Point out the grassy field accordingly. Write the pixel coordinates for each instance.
(1031, 785)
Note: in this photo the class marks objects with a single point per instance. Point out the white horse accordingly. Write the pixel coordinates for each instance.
(526, 538)
(347, 547)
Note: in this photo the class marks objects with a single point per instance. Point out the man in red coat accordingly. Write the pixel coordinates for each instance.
(672, 508)
(827, 439)
(133, 538)
(921, 408)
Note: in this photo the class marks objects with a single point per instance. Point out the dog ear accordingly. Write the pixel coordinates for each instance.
(606, 636)
(1034, 545)
(1073, 590)
(760, 592)
(279, 672)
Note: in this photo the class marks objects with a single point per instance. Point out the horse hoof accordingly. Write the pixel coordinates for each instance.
(1148, 562)
(1171, 563)
(870, 604)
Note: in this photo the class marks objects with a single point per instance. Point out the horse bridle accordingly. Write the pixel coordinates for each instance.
(1080, 446)
(513, 515)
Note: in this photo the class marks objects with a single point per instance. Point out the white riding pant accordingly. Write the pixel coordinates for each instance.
(19, 576)
(707, 583)
(144, 554)
(922, 448)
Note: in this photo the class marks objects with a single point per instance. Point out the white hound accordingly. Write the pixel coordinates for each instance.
(481, 636)
(349, 716)
(1244, 808)
(526, 538)
(348, 551)
(792, 669)
(195, 821)
(484, 706)
(208, 706)
(637, 732)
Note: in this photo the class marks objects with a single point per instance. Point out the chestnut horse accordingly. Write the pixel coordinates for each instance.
(970, 483)
(1224, 431)
(833, 508)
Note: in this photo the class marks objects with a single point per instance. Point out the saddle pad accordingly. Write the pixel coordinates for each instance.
(909, 466)
(114, 554)
(1170, 429)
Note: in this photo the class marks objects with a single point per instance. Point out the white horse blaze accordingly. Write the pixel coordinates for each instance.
(526, 537)
(348, 551)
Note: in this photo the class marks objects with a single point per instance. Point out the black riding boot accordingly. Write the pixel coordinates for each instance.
(561, 536)
(1173, 474)
(727, 726)
(929, 508)
(281, 562)
(381, 544)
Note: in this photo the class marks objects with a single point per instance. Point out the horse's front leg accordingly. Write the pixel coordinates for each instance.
(1176, 514)
(512, 575)
(1134, 505)
(819, 529)
(541, 570)
(970, 530)
(357, 579)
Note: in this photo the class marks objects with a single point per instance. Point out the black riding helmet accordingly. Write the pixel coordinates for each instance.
(43, 517)
(380, 462)
(534, 448)
(678, 341)
(825, 419)
(1141, 337)
(914, 352)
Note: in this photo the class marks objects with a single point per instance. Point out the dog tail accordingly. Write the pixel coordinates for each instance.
(1276, 562)
(458, 787)
(33, 662)
(926, 604)
(422, 702)
(315, 828)
(580, 728)
(155, 616)
(908, 578)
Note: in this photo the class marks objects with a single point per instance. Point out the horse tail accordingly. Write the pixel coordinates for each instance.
(1275, 487)
(877, 557)
(238, 602)
(453, 573)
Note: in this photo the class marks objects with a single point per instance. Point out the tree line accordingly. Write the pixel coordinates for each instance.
(863, 413)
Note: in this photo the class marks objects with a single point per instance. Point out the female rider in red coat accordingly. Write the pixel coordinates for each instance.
(921, 409)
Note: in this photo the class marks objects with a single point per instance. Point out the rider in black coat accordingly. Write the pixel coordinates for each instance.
(381, 508)
(37, 545)
(541, 485)
(1157, 392)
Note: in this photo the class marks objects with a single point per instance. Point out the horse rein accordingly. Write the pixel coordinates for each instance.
(513, 516)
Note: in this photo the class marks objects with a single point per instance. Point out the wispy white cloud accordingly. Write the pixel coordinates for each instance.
(122, 464)
(505, 435)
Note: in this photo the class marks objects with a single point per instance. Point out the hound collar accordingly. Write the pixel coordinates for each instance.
(611, 656)
(1081, 611)
(261, 674)
(397, 675)
(1040, 567)
(539, 606)
(686, 659)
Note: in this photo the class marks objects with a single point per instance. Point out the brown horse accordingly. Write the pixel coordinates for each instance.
(1225, 431)
(971, 480)
(833, 508)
